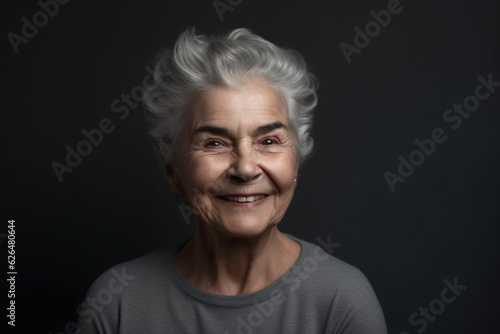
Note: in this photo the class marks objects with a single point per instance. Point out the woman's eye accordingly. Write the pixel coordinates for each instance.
(214, 143)
(269, 141)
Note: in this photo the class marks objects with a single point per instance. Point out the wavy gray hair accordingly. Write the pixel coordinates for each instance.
(198, 63)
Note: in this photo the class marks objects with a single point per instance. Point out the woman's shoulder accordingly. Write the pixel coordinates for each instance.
(320, 256)
(149, 268)
(124, 284)
(338, 285)
(320, 269)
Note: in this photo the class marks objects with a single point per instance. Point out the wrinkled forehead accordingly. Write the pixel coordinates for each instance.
(247, 106)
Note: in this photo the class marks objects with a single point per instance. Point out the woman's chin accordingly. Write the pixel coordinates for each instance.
(246, 228)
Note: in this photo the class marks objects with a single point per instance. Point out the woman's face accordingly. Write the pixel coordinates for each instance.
(236, 161)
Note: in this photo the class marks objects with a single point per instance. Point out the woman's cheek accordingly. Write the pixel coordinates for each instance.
(283, 170)
(203, 179)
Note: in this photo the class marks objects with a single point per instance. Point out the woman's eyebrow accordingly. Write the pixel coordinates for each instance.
(263, 129)
(217, 130)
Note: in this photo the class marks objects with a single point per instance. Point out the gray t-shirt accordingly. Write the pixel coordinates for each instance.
(319, 294)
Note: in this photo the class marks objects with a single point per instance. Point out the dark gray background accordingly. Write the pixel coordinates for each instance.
(441, 223)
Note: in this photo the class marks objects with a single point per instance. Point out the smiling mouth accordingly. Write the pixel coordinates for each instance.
(242, 199)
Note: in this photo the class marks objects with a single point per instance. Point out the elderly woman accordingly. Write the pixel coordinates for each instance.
(231, 117)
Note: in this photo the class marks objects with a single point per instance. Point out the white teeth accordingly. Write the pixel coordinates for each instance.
(243, 199)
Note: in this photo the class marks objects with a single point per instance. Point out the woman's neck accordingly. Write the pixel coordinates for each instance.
(235, 266)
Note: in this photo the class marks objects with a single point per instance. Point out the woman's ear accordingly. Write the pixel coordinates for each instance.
(173, 179)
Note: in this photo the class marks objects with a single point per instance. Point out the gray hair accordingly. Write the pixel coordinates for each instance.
(199, 63)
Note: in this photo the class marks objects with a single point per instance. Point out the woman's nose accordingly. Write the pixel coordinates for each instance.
(245, 166)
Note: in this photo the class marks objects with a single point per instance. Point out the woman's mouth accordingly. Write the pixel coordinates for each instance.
(242, 199)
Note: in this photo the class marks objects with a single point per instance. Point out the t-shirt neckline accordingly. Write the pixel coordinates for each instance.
(232, 301)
